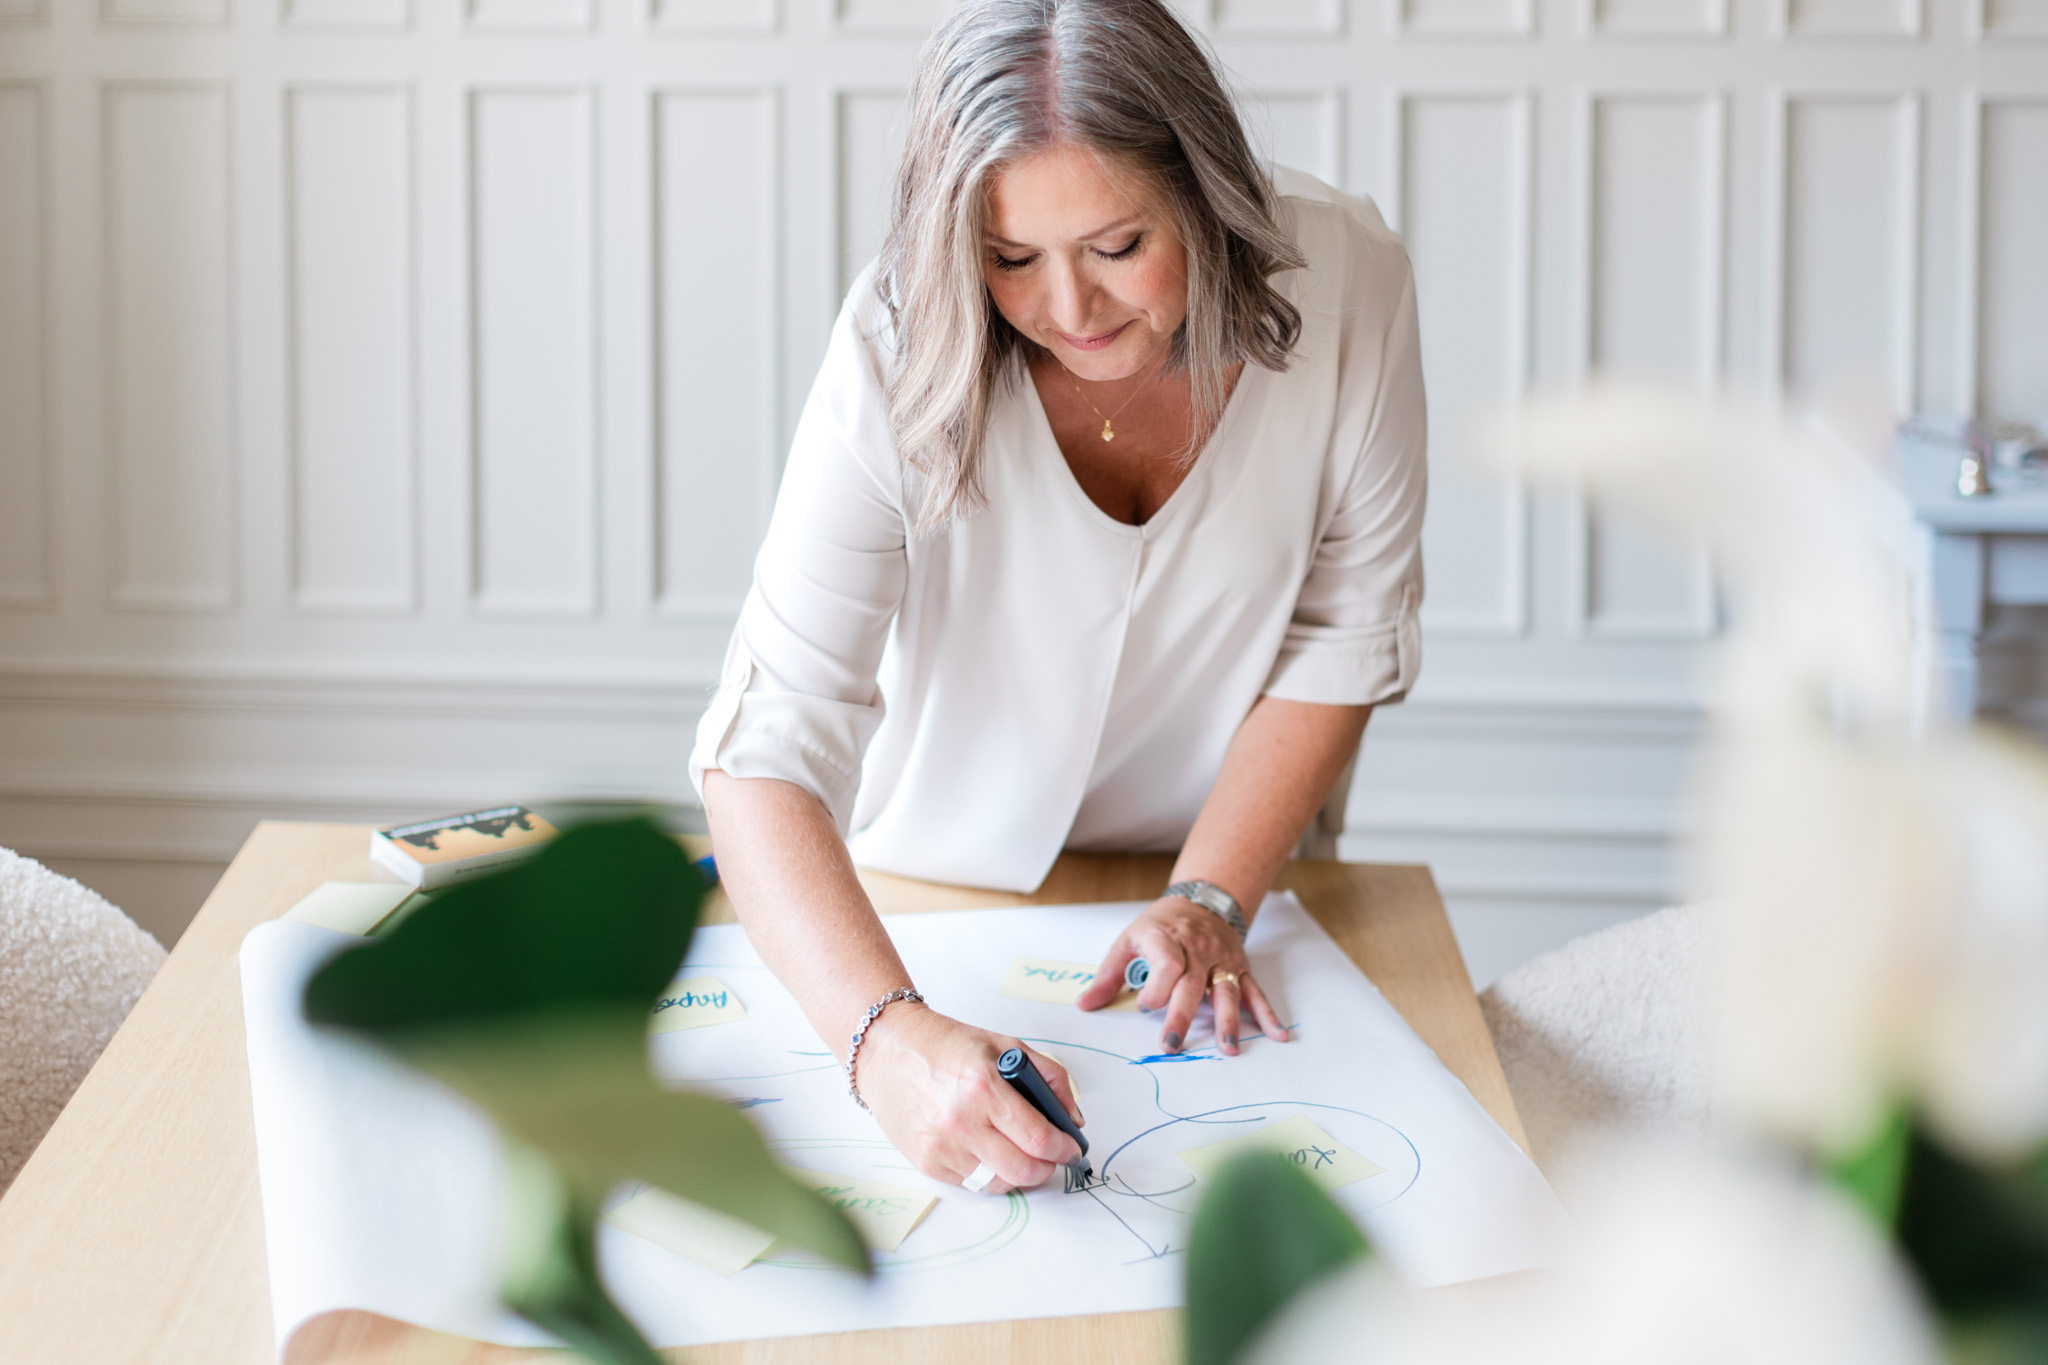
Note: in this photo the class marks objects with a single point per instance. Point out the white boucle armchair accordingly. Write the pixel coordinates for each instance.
(1609, 1032)
(71, 967)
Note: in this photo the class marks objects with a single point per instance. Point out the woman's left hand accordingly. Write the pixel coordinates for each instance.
(1192, 953)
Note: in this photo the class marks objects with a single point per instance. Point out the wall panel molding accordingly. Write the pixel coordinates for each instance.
(2002, 271)
(149, 13)
(1842, 240)
(888, 16)
(533, 16)
(533, 351)
(28, 533)
(714, 16)
(1276, 18)
(1630, 19)
(1826, 20)
(1299, 128)
(1590, 712)
(1518, 844)
(1999, 20)
(1470, 237)
(718, 172)
(347, 14)
(1430, 19)
(1649, 256)
(387, 442)
(866, 138)
(168, 233)
(349, 249)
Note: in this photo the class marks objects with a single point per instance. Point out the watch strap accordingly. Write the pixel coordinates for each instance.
(1215, 900)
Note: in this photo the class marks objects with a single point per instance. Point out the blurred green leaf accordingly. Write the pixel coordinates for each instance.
(574, 1084)
(2004, 1339)
(528, 991)
(1874, 1175)
(1977, 1236)
(550, 1275)
(601, 915)
(1264, 1232)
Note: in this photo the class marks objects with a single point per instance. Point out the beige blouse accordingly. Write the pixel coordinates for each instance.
(1041, 676)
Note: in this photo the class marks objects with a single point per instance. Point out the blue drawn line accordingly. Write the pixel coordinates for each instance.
(1124, 1186)
(1175, 1057)
(752, 1101)
(1157, 1252)
(1158, 1096)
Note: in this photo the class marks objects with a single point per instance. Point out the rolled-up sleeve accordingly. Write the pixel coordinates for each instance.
(1355, 636)
(797, 698)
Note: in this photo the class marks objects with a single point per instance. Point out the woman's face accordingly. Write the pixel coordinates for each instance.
(1077, 265)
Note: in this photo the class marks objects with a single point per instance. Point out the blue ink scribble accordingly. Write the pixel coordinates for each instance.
(750, 1103)
(1175, 1057)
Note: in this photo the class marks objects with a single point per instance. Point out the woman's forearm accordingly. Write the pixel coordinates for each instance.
(792, 883)
(931, 1081)
(1279, 770)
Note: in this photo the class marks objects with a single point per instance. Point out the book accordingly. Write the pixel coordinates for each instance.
(434, 853)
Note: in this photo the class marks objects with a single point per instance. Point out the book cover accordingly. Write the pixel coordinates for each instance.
(434, 853)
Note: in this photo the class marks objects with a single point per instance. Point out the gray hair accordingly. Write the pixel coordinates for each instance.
(999, 81)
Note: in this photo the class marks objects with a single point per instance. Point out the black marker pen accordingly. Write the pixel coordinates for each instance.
(1016, 1068)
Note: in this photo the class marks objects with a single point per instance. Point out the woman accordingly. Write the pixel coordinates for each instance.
(1100, 531)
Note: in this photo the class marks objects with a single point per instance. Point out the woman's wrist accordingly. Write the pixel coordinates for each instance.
(896, 1002)
(1213, 897)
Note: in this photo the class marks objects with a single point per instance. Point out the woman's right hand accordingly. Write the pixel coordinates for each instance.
(932, 1083)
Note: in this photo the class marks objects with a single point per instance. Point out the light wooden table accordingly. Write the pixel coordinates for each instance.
(135, 1232)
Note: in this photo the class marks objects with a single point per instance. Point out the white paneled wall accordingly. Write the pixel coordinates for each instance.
(393, 392)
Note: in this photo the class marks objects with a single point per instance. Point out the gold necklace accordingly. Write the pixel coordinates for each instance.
(1108, 431)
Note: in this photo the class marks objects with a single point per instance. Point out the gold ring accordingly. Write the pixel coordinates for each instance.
(1225, 978)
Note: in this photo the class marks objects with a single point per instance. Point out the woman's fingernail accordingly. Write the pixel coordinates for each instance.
(1172, 1042)
(1230, 1038)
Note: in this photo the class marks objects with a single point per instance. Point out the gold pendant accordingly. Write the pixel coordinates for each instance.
(1107, 434)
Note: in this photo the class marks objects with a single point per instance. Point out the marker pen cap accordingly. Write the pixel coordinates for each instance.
(1137, 972)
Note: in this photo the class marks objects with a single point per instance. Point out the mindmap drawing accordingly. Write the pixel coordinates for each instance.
(1144, 1109)
(381, 1191)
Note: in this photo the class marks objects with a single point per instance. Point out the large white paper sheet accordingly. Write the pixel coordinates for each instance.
(379, 1188)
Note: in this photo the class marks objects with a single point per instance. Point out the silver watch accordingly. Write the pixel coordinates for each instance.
(1215, 900)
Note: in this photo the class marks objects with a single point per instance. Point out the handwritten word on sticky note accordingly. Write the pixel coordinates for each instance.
(695, 1002)
(351, 907)
(1056, 983)
(884, 1214)
(1321, 1157)
(717, 1241)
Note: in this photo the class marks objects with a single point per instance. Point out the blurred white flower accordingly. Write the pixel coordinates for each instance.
(1685, 1259)
(1784, 507)
(1982, 1064)
(1884, 887)
(1829, 887)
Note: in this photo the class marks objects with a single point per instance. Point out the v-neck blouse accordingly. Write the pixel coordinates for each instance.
(1039, 675)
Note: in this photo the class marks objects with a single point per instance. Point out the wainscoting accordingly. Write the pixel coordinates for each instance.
(393, 392)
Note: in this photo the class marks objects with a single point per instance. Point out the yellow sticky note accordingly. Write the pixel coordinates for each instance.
(351, 907)
(885, 1214)
(1321, 1157)
(716, 1241)
(1056, 983)
(694, 1002)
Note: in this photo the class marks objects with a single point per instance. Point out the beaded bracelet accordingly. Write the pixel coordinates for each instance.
(874, 1013)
